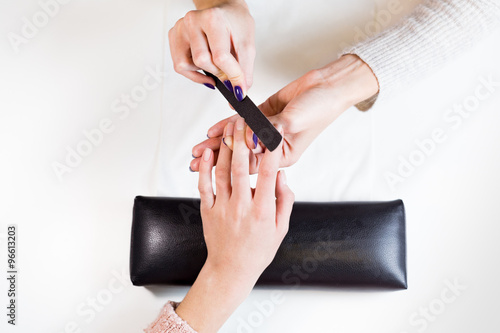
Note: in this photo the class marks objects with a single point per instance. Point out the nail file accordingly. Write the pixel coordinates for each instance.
(254, 118)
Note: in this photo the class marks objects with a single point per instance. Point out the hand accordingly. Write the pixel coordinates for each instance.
(243, 228)
(304, 108)
(219, 38)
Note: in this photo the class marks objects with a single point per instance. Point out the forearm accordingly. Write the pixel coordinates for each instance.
(213, 298)
(435, 32)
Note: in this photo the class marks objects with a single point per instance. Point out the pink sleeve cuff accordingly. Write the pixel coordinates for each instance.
(169, 322)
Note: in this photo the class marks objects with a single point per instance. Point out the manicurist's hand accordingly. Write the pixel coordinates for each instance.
(243, 228)
(304, 108)
(219, 38)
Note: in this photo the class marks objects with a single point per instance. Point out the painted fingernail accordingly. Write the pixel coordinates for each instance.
(228, 85)
(190, 169)
(208, 136)
(193, 156)
(206, 154)
(255, 140)
(238, 93)
(224, 141)
(209, 86)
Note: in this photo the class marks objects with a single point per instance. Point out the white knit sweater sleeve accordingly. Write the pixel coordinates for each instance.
(435, 32)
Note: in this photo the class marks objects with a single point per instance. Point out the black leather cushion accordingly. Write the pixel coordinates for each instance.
(361, 244)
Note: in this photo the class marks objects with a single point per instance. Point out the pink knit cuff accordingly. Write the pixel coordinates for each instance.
(169, 322)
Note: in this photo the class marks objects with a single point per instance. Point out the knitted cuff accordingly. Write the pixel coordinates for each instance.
(169, 322)
(435, 32)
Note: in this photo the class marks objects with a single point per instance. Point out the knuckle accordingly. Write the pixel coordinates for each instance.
(313, 77)
(238, 170)
(221, 171)
(267, 173)
(190, 17)
(212, 15)
(201, 59)
(220, 57)
(238, 210)
(203, 188)
(180, 67)
(247, 46)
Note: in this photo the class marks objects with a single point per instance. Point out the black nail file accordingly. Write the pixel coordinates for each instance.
(254, 118)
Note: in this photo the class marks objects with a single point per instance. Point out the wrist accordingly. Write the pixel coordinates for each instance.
(212, 299)
(239, 279)
(351, 78)
(205, 4)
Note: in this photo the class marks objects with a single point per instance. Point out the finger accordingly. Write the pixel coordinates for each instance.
(212, 143)
(228, 140)
(254, 162)
(180, 52)
(223, 168)
(219, 40)
(200, 52)
(284, 203)
(250, 138)
(205, 180)
(218, 128)
(266, 181)
(239, 163)
(245, 55)
(194, 166)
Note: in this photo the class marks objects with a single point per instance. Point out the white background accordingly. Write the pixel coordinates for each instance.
(74, 232)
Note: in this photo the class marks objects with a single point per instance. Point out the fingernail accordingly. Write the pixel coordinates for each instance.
(230, 129)
(228, 85)
(283, 176)
(193, 156)
(240, 124)
(206, 154)
(209, 85)
(208, 136)
(255, 140)
(190, 169)
(228, 136)
(238, 93)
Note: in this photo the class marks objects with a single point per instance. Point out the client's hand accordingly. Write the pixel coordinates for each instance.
(304, 108)
(243, 228)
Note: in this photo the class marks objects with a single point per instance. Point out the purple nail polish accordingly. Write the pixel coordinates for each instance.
(208, 136)
(193, 156)
(224, 142)
(255, 140)
(228, 85)
(209, 85)
(190, 169)
(238, 93)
